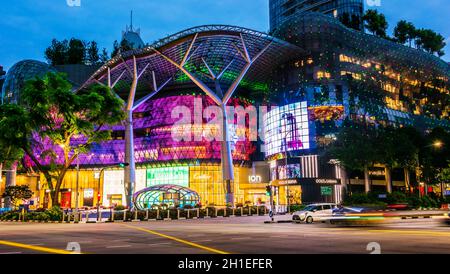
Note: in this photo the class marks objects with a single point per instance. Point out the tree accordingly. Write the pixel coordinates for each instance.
(9, 155)
(433, 158)
(353, 21)
(430, 41)
(92, 53)
(345, 19)
(122, 47)
(399, 148)
(51, 117)
(56, 53)
(104, 56)
(355, 148)
(405, 32)
(15, 193)
(376, 23)
(76, 53)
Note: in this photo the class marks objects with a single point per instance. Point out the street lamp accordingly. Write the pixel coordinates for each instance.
(438, 144)
(121, 165)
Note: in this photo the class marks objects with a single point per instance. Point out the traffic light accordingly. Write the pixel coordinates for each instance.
(124, 165)
(268, 190)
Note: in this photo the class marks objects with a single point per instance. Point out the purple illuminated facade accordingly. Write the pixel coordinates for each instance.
(154, 144)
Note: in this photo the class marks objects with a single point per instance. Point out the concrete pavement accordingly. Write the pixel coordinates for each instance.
(226, 235)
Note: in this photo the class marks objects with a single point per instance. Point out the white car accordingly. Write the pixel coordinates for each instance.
(314, 212)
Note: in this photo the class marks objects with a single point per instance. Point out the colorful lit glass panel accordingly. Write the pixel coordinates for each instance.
(168, 176)
(287, 129)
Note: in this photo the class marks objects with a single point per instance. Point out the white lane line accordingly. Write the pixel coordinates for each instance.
(118, 246)
(10, 253)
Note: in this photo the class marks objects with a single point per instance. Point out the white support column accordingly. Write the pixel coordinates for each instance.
(227, 159)
(130, 170)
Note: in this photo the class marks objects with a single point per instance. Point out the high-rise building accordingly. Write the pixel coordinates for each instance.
(2, 76)
(283, 10)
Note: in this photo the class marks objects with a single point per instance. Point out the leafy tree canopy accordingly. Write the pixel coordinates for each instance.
(51, 116)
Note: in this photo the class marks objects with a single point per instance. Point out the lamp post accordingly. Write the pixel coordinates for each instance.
(286, 163)
(437, 145)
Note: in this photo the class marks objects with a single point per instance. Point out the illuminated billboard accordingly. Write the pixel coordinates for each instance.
(287, 129)
(168, 176)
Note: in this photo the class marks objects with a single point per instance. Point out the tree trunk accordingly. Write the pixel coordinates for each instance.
(388, 180)
(10, 181)
(366, 179)
(407, 179)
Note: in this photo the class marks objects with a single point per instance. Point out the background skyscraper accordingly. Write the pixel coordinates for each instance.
(283, 10)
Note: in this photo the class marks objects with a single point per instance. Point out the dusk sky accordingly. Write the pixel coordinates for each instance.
(28, 26)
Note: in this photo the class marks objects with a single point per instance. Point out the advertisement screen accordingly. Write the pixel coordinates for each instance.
(287, 129)
(168, 176)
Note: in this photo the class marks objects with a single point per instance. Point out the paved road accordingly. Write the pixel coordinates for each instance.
(228, 235)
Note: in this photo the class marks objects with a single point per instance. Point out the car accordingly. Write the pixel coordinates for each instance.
(343, 211)
(314, 212)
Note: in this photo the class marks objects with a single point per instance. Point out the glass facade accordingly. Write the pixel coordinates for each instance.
(348, 73)
(17, 76)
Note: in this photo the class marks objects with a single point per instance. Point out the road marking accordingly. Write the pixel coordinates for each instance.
(10, 253)
(36, 248)
(178, 240)
(118, 246)
(412, 232)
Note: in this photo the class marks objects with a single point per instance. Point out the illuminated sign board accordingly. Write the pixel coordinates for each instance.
(287, 129)
(327, 181)
(254, 179)
(326, 190)
(168, 176)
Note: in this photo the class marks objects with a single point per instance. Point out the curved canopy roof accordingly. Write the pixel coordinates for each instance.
(213, 53)
(165, 194)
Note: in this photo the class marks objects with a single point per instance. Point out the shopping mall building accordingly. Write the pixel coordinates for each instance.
(297, 86)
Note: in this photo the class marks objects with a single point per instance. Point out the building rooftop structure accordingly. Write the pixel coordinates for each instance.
(133, 36)
(213, 53)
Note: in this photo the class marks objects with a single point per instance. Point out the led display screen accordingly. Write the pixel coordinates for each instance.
(287, 129)
(168, 176)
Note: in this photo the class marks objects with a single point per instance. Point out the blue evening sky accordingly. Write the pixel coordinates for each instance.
(28, 26)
